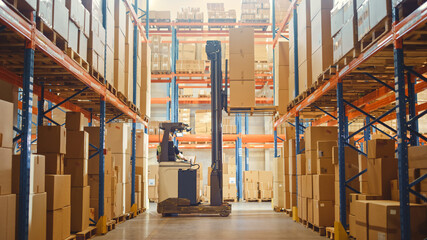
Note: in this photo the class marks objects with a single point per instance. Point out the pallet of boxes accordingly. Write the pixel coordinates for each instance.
(242, 73)
(141, 170)
(153, 181)
(9, 200)
(229, 187)
(160, 55)
(258, 186)
(118, 140)
(374, 214)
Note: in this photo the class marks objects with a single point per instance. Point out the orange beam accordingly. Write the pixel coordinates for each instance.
(205, 100)
(207, 24)
(224, 146)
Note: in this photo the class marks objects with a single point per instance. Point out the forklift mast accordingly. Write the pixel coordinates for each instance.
(218, 103)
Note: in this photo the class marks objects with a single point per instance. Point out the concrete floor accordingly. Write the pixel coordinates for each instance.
(247, 221)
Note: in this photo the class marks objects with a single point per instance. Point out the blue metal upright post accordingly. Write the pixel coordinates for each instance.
(147, 19)
(174, 85)
(412, 102)
(239, 173)
(341, 155)
(102, 220)
(402, 147)
(134, 207)
(273, 29)
(275, 143)
(27, 115)
(296, 90)
(247, 149)
(40, 106)
(366, 134)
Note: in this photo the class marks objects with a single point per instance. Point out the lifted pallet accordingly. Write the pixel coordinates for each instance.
(172, 206)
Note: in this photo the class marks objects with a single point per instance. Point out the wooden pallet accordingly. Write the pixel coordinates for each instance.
(327, 74)
(120, 219)
(320, 230)
(264, 200)
(230, 200)
(111, 88)
(189, 72)
(161, 72)
(86, 234)
(330, 232)
(253, 110)
(49, 33)
(76, 57)
(347, 58)
(122, 97)
(252, 200)
(97, 75)
(111, 225)
(375, 34)
(288, 212)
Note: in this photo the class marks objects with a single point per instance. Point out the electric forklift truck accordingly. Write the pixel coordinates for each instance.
(178, 193)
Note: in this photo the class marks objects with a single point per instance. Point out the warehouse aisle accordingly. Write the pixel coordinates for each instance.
(247, 221)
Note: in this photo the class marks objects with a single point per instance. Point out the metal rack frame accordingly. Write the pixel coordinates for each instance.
(347, 110)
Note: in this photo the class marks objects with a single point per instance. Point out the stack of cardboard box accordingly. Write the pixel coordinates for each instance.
(203, 122)
(253, 10)
(144, 81)
(282, 79)
(417, 167)
(229, 188)
(217, 11)
(120, 56)
(190, 66)
(304, 46)
(250, 184)
(189, 14)
(76, 164)
(153, 181)
(296, 171)
(118, 141)
(265, 185)
(160, 55)
(321, 40)
(184, 116)
(77, 33)
(141, 167)
(282, 7)
(7, 199)
(37, 197)
(160, 16)
(343, 28)
(228, 125)
(278, 183)
(242, 58)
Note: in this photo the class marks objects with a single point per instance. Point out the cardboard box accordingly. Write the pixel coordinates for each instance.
(58, 189)
(77, 168)
(8, 216)
(323, 213)
(304, 208)
(322, 189)
(380, 173)
(93, 181)
(242, 39)
(311, 161)
(79, 208)
(54, 163)
(301, 164)
(51, 139)
(93, 163)
(322, 44)
(58, 223)
(93, 136)
(60, 18)
(351, 156)
(6, 124)
(5, 171)
(242, 66)
(77, 144)
(37, 172)
(242, 93)
(325, 166)
(384, 220)
(310, 213)
(417, 157)
(381, 148)
(74, 121)
(118, 138)
(315, 134)
(37, 214)
(325, 148)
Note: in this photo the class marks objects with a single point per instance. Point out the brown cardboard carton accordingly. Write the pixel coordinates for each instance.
(93, 163)
(79, 208)
(351, 155)
(417, 157)
(304, 192)
(118, 138)
(54, 163)
(352, 225)
(37, 214)
(315, 134)
(311, 162)
(5, 171)
(322, 189)
(74, 121)
(93, 181)
(242, 66)
(6, 124)
(380, 172)
(292, 183)
(304, 208)
(58, 189)
(77, 144)
(93, 136)
(242, 39)
(325, 166)
(384, 220)
(77, 168)
(8, 216)
(242, 93)
(58, 223)
(301, 164)
(51, 139)
(293, 200)
(325, 148)
(300, 183)
(381, 148)
(309, 186)
(310, 213)
(37, 181)
(323, 213)
(363, 164)
(138, 183)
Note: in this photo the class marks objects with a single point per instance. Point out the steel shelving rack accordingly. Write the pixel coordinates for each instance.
(375, 92)
(78, 91)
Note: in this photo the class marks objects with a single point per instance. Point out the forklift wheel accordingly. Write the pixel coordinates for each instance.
(224, 214)
(166, 214)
